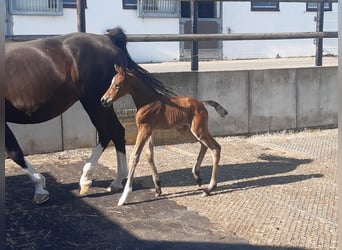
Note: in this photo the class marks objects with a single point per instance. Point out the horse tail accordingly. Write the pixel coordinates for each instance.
(220, 110)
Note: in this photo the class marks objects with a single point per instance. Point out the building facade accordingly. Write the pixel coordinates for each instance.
(44, 17)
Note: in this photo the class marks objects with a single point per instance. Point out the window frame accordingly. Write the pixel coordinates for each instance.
(72, 4)
(150, 9)
(127, 5)
(57, 11)
(255, 7)
(327, 7)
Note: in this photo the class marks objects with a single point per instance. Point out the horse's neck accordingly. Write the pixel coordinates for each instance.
(142, 94)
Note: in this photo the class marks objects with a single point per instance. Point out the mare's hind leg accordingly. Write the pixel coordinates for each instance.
(15, 153)
(143, 135)
(150, 159)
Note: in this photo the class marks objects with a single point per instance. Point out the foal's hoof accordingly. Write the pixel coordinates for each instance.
(114, 189)
(84, 189)
(205, 193)
(158, 192)
(199, 181)
(40, 198)
(121, 203)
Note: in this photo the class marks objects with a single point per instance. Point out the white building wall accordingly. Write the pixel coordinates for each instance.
(292, 17)
(45, 25)
(236, 18)
(114, 15)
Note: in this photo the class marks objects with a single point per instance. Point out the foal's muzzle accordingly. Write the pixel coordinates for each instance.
(106, 102)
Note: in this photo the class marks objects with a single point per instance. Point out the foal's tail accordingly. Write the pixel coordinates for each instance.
(220, 110)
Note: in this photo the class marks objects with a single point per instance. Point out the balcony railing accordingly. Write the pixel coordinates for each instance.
(36, 7)
(158, 8)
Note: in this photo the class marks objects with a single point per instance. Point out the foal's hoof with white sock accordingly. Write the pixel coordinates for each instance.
(41, 198)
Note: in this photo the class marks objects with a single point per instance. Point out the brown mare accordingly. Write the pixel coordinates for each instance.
(157, 108)
(44, 77)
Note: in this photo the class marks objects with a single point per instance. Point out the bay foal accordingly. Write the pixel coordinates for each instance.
(158, 109)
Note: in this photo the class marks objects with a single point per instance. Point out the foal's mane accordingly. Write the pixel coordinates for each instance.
(119, 38)
(151, 81)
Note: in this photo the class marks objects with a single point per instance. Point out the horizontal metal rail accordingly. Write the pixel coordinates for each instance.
(280, 1)
(229, 37)
(203, 37)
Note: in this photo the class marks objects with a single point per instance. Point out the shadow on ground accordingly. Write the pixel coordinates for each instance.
(67, 221)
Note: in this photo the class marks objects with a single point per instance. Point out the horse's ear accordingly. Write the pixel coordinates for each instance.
(119, 69)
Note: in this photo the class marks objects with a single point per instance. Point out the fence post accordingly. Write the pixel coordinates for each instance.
(194, 50)
(319, 28)
(80, 4)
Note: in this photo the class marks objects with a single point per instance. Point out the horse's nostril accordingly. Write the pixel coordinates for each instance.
(106, 102)
(103, 101)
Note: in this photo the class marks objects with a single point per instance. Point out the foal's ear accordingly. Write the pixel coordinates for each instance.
(119, 69)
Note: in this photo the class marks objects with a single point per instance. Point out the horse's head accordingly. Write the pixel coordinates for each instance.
(118, 88)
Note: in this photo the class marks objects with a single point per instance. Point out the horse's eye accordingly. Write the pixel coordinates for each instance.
(117, 86)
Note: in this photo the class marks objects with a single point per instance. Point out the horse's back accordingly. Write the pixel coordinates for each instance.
(44, 77)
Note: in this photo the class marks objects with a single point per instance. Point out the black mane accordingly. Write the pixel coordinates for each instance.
(119, 38)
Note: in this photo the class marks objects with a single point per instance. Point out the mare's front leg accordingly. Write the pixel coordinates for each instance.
(85, 180)
(143, 135)
(150, 159)
(15, 153)
(109, 128)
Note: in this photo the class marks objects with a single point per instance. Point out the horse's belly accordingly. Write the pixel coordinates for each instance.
(28, 115)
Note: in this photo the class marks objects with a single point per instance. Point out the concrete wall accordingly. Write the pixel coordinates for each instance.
(257, 101)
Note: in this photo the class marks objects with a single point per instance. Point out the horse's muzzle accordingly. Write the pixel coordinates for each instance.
(106, 102)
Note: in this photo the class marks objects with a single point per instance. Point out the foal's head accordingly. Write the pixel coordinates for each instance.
(118, 88)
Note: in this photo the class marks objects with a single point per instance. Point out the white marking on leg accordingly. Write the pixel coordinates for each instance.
(127, 190)
(85, 179)
(39, 183)
(116, 184)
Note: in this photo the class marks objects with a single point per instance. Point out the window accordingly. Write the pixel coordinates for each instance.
(35, 7)
(314, 6)
(40, 7)
(257, 5)
(158, 8)
(206, 9)
(129, 4)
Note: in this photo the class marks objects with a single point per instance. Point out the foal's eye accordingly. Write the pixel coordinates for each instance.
(117, 86)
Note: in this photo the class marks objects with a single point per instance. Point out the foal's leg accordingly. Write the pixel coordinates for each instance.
(15, 153)
(200, 131)
(150, 159)
(215, 153)
(143, 135)
(196, 167)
